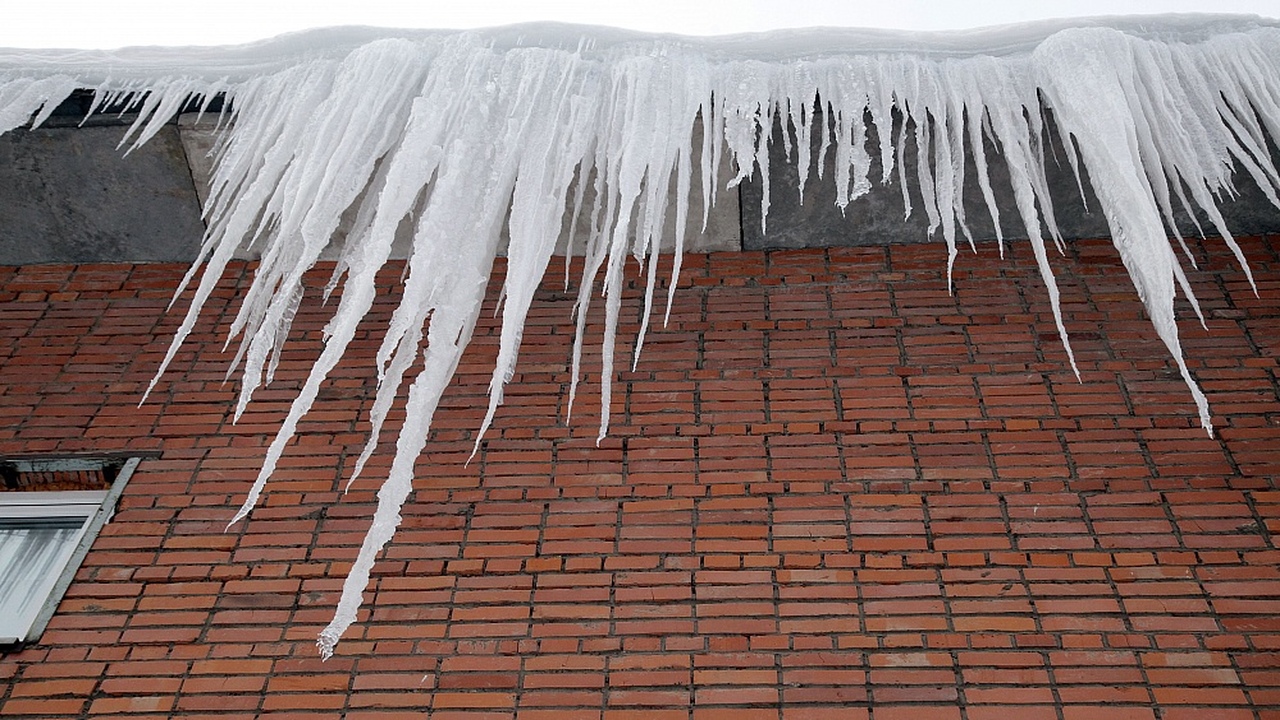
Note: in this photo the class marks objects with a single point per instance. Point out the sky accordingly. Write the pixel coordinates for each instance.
(98, 24)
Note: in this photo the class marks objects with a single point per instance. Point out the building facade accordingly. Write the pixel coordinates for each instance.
(831, 489)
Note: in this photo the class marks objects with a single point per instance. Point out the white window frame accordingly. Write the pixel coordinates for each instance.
(94, 506)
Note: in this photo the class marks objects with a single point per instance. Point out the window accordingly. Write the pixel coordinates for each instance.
(50, 512)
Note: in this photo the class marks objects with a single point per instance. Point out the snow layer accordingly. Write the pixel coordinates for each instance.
(447, 132)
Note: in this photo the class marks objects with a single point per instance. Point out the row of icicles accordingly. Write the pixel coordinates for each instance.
(458, 138)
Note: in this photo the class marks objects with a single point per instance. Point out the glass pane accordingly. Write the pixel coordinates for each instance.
(15, 523)
(31, 559)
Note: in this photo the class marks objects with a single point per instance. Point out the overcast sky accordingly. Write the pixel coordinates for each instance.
(116, 23)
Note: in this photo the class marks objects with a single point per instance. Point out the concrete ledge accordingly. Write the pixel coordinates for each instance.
(877, 217)
(67, 195)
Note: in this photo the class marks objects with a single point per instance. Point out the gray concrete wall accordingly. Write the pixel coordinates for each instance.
(876, 218)
(68, 195)
(722, 232)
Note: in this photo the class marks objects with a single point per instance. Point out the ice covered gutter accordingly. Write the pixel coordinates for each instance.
(450, 132)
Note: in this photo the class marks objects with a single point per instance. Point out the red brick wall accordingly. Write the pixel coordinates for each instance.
(831, 490)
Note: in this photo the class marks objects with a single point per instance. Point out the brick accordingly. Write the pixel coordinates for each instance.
(943, 517)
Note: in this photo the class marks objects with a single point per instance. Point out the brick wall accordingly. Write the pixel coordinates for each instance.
(831, 490)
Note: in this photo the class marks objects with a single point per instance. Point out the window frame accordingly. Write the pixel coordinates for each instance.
(96, 506)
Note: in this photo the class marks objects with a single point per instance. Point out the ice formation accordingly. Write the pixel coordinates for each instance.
(449, 132)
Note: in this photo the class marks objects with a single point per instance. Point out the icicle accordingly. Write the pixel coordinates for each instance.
(553, 122)
(1082, 74)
